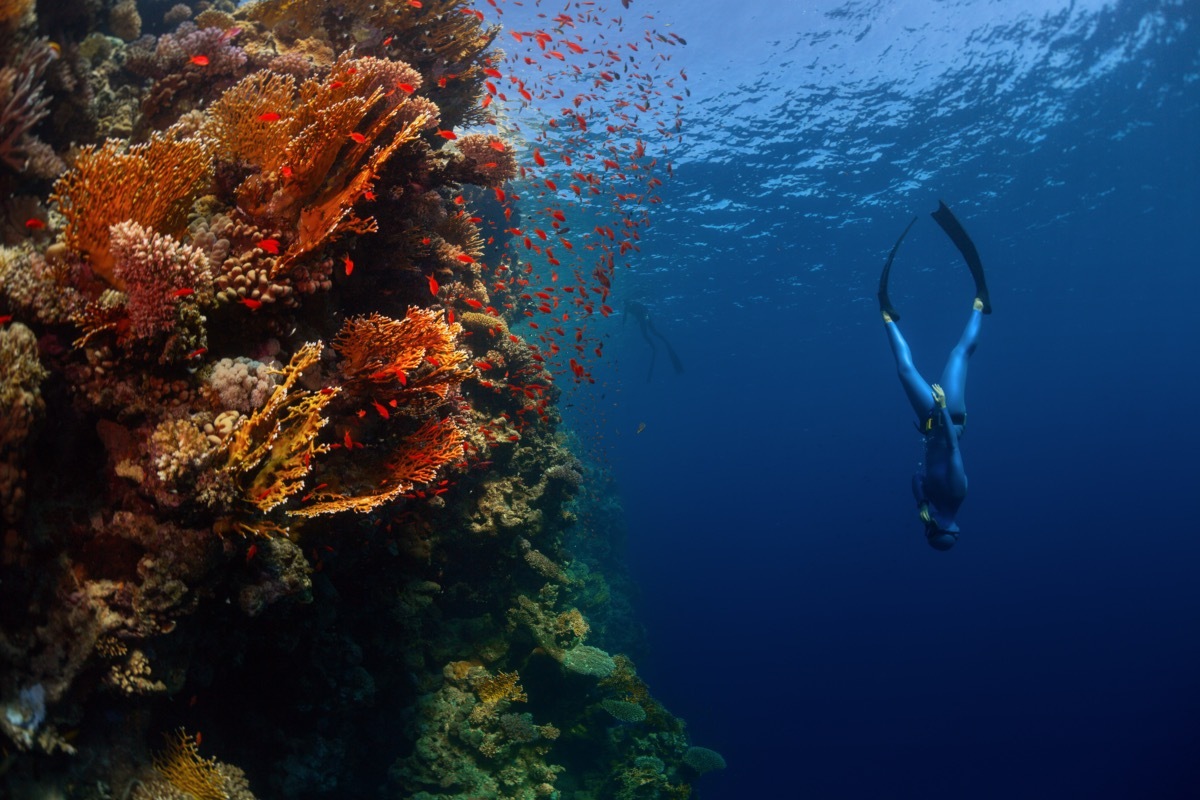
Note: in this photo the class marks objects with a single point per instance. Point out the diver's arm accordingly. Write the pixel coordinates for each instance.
(946, 431)
(955, 475)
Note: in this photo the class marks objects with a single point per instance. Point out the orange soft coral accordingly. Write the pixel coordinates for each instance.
(413, 361)
(316, 149)
(152, 184)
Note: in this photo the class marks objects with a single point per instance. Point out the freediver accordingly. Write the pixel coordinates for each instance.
(639, 312)
(940, 485)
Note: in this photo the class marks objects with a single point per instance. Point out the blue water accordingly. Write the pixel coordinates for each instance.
(798, 620)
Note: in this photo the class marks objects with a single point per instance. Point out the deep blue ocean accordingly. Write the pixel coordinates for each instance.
(797, 619)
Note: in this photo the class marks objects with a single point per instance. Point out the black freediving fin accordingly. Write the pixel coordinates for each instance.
(962, 241)
(885, 305)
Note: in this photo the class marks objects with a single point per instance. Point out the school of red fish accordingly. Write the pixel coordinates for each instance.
(596, 101)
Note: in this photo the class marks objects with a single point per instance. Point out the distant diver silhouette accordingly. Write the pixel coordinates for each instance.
(940, 486)
(640, 313)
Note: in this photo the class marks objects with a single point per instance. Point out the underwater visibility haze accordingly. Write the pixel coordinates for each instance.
(451, 399)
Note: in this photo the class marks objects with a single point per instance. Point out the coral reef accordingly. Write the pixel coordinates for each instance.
(282, 477)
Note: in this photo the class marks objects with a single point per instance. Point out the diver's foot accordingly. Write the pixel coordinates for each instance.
(978, 305)
(939, 396)
(886, 316)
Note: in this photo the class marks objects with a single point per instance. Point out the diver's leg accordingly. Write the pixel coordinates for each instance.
(954, 376)
(918, 390)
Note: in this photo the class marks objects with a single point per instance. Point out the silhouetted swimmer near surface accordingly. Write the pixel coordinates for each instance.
(940, 484)
(639, 312)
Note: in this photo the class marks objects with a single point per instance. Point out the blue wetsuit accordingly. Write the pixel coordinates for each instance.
(940, 486)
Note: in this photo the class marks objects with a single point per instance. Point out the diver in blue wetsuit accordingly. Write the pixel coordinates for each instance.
(941, 485)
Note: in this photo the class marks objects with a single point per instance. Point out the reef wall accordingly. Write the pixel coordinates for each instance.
(285, 504)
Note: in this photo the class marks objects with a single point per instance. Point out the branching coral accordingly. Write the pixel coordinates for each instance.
(165, 283)
(22, 104)
(152, 184)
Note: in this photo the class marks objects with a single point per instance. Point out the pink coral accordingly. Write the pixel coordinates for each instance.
(155, 270)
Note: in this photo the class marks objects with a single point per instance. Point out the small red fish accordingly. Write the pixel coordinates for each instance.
(433, 285)
(268, 116)
(183, 292)
(199, 351)
(388, 41)
(466, 259)
(348, 264)
(251, 553)
(199, 61)
(270, 245)
(497, 145)
(407, 88)
(286, 171)
(34, 224)
(5, 319)
(383, 412)
(415, 3)
(336, 84)
(358, 137)
(473, 303)
(251, 303)
(448, 135)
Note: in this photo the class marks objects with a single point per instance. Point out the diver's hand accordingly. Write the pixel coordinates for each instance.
(939, 396)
